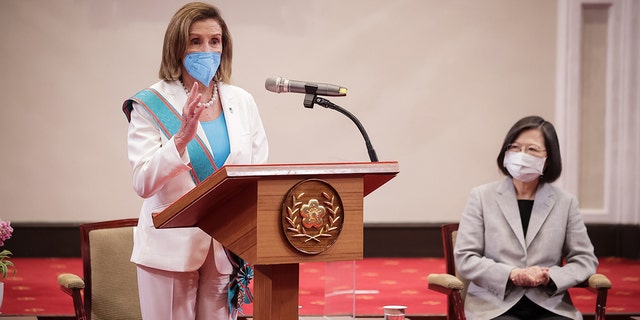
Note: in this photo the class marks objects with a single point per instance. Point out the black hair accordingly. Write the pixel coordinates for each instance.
(553, 164)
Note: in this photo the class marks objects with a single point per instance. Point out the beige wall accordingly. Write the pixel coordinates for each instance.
(436, 84)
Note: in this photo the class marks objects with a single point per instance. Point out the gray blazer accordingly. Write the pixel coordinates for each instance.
(491, 242)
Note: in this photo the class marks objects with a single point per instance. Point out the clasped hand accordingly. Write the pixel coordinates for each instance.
(530, 276)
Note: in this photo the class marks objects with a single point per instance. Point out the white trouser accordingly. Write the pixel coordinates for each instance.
(197, 295)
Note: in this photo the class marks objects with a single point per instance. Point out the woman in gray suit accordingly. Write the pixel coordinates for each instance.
(521, 241)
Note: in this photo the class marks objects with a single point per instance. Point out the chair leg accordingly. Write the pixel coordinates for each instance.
(77, 305)
(601, 303)
(458, 306)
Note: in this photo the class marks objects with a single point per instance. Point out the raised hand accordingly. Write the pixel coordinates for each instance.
(190, 117)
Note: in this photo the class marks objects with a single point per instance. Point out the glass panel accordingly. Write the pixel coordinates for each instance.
(340, 290)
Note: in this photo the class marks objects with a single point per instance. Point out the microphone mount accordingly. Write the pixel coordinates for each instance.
(310, 98)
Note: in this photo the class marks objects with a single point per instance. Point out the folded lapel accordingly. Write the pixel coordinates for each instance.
(230, 109)
(542, 205)
(509, 205)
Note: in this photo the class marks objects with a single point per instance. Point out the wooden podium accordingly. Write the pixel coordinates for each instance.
(243, 207)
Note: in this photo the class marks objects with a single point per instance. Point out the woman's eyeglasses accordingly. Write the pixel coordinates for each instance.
(531, 149)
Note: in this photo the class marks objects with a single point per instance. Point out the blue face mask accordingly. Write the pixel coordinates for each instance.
(202, 66)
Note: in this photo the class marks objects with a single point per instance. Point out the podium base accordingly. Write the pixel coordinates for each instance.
(276, 291)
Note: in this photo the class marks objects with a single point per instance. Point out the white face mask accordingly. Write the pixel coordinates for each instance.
(523, 166)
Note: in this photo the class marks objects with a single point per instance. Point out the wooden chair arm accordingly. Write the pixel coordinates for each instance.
(452, 287)
(599, 281)
(599, 284)
(70, 281)
(72, 285)
(444, 282)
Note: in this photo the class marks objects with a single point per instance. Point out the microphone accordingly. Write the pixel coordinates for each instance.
(312, 91)
(278, 85)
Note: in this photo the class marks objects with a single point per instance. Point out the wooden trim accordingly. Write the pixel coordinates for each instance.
(380, 240)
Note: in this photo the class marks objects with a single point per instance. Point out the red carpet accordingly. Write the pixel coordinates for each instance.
(34, 290)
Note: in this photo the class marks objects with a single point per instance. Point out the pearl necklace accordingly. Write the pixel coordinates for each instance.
(214, 96)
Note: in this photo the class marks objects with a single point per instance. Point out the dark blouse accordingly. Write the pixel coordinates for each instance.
(525, 207)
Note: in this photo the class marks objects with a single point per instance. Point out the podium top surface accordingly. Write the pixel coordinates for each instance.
(265, 170)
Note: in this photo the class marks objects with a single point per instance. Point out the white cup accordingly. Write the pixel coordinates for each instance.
(394, 312)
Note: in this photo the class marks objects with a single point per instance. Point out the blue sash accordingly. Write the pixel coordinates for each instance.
(168, 120)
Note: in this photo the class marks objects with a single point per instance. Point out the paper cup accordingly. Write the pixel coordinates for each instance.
(394, 312)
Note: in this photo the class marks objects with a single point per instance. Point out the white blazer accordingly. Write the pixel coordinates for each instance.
(161, 176)
(491, 242)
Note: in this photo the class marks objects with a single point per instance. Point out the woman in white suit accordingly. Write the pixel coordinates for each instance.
(181, 130)
(521, 241)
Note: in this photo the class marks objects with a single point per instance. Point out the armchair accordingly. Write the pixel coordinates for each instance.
(109, 286)
(454, 286)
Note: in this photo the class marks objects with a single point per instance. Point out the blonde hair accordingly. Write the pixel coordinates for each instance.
(177, 36)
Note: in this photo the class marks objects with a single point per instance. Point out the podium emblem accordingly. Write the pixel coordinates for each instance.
(312, 216)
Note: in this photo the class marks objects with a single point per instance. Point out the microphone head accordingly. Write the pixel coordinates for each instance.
(274, 84)
(279, 84)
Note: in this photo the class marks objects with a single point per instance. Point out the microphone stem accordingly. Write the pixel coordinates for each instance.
(330, 105)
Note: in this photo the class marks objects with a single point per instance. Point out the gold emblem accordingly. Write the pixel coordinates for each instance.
(312, 216)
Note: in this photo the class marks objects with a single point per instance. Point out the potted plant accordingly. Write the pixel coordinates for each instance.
(5, 233)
